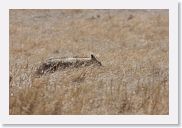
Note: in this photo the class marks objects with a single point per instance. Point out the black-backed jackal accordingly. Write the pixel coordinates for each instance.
(54, 64)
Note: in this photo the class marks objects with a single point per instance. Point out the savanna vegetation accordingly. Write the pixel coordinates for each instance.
(132, 45)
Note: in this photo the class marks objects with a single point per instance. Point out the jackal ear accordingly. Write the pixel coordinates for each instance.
(93, 57)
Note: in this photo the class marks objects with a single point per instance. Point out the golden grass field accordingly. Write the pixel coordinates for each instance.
(132, 45)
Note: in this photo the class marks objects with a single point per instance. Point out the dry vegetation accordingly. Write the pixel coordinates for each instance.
(132, 46)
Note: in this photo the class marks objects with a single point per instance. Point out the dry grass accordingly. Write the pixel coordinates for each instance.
(132, 46)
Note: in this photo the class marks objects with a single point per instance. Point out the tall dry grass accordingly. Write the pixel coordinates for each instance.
(131, 44)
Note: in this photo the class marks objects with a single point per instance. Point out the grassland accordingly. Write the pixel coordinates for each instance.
(132, 46)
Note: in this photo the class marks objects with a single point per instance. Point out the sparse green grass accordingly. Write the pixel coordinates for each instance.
(132, 46)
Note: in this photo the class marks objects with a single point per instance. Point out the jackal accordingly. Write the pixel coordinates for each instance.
(54, 64)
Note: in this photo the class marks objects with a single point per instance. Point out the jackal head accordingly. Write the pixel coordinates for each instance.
(95, 61)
